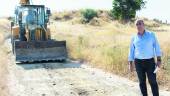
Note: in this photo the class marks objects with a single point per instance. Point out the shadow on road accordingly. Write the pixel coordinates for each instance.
(50, 65)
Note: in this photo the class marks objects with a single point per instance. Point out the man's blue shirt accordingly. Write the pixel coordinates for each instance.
(144, 46)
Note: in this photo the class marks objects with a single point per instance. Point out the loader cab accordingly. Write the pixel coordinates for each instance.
(32, 22)
(32, 14)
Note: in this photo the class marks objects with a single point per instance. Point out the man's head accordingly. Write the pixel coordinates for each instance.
(140, 25)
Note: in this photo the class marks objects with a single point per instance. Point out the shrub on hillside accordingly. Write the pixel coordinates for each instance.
(88, 14)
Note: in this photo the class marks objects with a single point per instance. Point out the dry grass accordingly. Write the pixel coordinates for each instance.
(4, 24)
(3, 73)
(100, 45)
(106, 46)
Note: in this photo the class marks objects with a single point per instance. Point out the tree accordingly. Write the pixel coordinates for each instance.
(126, 9)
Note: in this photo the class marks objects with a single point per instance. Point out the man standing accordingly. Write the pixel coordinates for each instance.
(144, 48)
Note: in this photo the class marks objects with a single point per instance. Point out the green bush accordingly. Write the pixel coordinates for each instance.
(88, 14)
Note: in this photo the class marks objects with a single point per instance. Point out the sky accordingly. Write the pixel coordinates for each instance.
(154, 8)
(7, 6)
(159, 9)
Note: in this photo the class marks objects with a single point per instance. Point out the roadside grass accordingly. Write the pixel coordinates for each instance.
(3, 58)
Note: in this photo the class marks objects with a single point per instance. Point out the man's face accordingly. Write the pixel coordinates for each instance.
(140, 26)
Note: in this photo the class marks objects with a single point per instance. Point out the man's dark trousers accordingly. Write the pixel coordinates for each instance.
(146, 67)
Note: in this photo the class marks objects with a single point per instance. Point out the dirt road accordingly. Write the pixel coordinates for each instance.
(66, 79)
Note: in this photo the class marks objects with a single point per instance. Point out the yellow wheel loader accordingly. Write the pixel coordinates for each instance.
(30, 36)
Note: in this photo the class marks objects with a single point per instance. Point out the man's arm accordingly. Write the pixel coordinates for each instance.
(131, 51)
(157, 50)
(131, 55)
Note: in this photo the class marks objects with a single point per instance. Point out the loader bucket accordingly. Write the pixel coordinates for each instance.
(39, 50)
